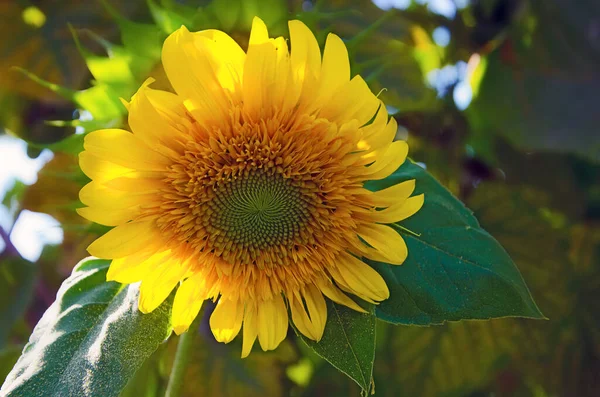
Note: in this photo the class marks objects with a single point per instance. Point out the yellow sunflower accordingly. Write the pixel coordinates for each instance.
(246, 186)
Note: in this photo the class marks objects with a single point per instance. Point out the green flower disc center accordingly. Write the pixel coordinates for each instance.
(258, 210)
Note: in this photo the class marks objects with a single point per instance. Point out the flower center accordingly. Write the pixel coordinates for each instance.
(258, 210)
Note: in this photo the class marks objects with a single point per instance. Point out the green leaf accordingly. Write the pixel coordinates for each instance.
(348, 343)
(90, 341)
(101, 101)
(170, 18)
(238, 14)
(45, 48)
(73, 144)
(455, 270)
(141, 38)
(13, 194)
(148, 380)
(17, 277)
(114, 70)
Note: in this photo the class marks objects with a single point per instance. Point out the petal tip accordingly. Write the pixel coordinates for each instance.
(180, 328)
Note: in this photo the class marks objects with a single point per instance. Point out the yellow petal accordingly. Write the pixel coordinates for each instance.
(335, 70)
(352, 101)
(203, 67)
(384, 136)
(99, 169)
(153, 126)
(379, 122)
(300, 316)
(272, 323)
(132, 268)
(392, 195)
(311, 323)
(188, 301)
(395, 213)
(267, 75)
(370, 253)
(385, 240)
(250, 331)
(95, 194)
(225, 55)
(305, 58)
(359, 278)
(345, 286)
(333, 293)
(123, 148)
(158, 283)
(106, 217)
(137, 182)
(258, 33)
(124, 240)
(390, 161)
(226, 320)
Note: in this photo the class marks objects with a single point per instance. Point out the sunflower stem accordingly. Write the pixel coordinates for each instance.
(182, 359)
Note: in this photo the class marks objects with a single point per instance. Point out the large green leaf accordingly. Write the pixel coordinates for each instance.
(348, 343)
(17, 277)
(151, 379)
(90, 341)
(455, 270)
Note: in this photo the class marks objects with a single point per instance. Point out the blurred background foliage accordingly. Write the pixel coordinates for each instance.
(497, 98)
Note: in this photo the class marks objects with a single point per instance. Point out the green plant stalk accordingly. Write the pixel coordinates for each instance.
(182, 358)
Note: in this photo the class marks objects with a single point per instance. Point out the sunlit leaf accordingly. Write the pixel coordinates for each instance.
(90, 341)
(36, 38)
(170, 16)
(149, 380)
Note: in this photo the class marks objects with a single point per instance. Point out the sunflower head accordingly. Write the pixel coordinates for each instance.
(245, 186)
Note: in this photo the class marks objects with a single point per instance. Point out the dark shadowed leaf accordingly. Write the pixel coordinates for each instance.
(455, 270)
(348, 343)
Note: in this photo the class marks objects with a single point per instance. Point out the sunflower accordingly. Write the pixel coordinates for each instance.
(245, 186)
